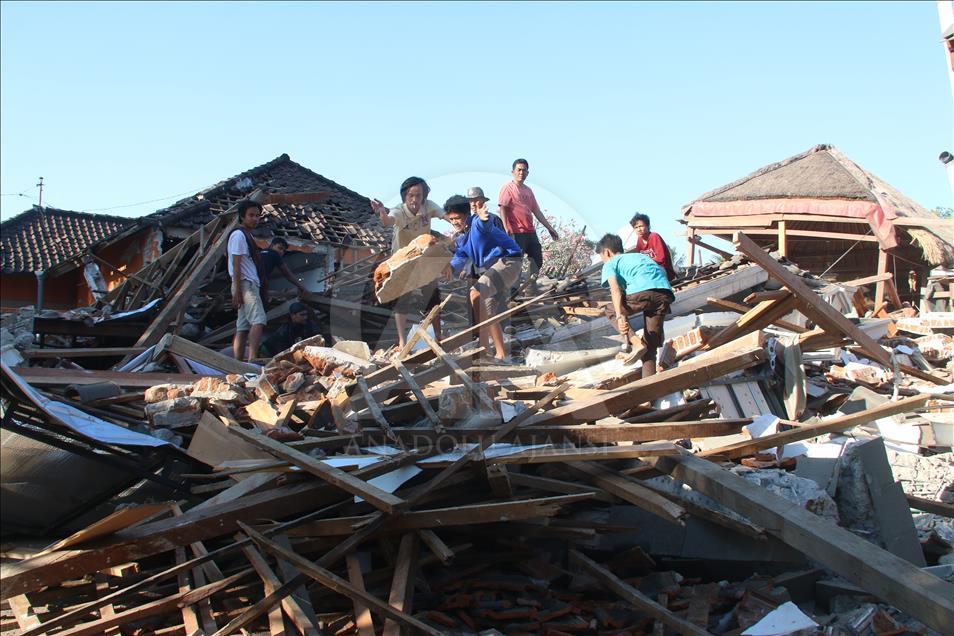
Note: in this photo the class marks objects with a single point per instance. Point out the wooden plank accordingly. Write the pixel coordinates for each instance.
(401, 596)
(445, 517)
(189, 286)
(94, 352)
(362, 615)
(932, 506)
(762, 315)
(418, 395)
(436, 545)
(154, 608)
(203, 355)
(378, 498)
(338, 584)
(44, 377)
(867, 280)
(837, 425)
(899, 583)
(428, 319)
(460, 373)
(23, 612)
(375, 409)
(695, 241)
(740, 308)
(549, 484)
(691, 373)
(111, 523)
(190, 615)
(629, 490)
(816, 308)
(478, 450)
(271, 581)
(449, 344)
(634, 597)
(595, 453)
(212, 444)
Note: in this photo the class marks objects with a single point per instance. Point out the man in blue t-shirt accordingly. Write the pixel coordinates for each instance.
(487, 253)
(637, 283)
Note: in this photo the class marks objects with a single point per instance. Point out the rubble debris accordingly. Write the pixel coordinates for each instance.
(346, 489)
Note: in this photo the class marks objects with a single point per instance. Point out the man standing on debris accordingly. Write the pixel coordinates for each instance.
(245, 267)
(487, 252)
(518, 207)
(637, 283)
(274, 257)
(652, 245)
(412, 219)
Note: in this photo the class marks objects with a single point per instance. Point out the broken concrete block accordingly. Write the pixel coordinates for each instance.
(182, 404)
(356, 348)
(162, 392)
(804, 492)
(459, 404)
(176, 419)
(420, 263)
(293, 382)
(328, 361)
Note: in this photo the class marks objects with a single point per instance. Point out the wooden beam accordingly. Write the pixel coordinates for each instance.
(271, 582)
(154, 608)
(694, 241)
(740, 308)
(428, 319)
(94, 352)
(402, 584)
(690, 373)
(882, 269)
(418, 395)
(837, 425)
(189, 286)
(42, 376)
(762, 315)
(338, 584)
(629, 490)
(867, 280)
(362, 615)
(485, 399)
(474, 514)
(816, 308)
(634, 597)
(436, 545)
(899, 583)
(932, 506)
(378, 498)
(203, 355)
(782, 239)
(375, 409)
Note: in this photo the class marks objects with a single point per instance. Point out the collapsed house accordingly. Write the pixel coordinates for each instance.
(764, 478)
(827, 214)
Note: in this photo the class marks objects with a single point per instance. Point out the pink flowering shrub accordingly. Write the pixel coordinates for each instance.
(570, 253)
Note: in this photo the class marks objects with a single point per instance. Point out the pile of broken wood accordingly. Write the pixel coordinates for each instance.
(341, 491)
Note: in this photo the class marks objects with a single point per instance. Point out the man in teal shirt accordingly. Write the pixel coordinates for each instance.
(637, 283)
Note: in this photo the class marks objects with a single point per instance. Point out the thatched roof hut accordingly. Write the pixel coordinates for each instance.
(830, 216)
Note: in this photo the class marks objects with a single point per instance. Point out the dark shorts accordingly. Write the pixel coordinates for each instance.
(530, 244)
(654, 304)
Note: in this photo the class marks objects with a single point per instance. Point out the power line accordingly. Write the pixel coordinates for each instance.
(130, 205)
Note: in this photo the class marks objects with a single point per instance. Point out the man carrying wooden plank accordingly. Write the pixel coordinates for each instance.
(637, 283)
(410, 220)
(485, 252)
(244, 264)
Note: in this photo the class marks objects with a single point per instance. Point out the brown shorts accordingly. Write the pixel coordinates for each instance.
(654, 304)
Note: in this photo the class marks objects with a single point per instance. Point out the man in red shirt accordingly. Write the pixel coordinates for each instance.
(652, 245)
(518, 207)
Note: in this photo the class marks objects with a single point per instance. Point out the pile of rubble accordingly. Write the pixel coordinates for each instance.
(763, 477)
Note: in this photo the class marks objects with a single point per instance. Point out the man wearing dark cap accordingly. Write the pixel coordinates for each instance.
(477, 200)
(410, 220)
(298, 327)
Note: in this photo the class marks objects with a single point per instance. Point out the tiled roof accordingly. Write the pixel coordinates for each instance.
(344, 218)
(42, 237)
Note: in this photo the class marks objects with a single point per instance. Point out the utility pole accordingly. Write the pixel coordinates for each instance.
(40, 186)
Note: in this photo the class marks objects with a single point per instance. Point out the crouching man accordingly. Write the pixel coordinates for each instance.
(637, 284)
(484, 251)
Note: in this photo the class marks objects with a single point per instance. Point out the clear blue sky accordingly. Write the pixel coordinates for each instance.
(619, 107)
